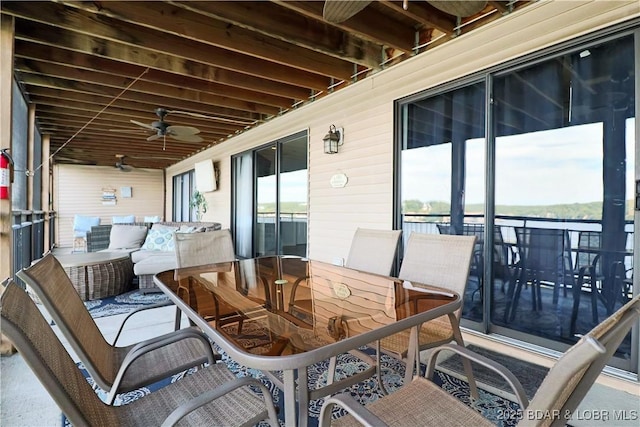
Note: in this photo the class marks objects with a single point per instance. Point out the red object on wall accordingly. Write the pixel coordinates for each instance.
(5, 174)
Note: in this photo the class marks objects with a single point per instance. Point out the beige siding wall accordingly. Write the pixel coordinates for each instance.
(365, 110)
(78, 190)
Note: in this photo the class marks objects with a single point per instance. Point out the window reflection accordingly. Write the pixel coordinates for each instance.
(564, 174)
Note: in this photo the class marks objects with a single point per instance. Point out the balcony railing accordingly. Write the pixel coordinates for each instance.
(28, 229)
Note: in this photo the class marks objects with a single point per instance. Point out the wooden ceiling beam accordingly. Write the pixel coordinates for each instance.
(106, 84)
(114, 36)
(226, 114)
(41, 33)
(183, 22)
(68, 58)
(369, 24)
(281, 23)
(47, 109)
(103, 122)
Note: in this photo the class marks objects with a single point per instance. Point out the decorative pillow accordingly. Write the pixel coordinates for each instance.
(127, 236)
(159, 239)
(129, 219)
(155, 218)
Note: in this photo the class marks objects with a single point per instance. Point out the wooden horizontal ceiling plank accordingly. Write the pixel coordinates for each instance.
(41, 33)
(183, 22)
(107, 84)
(42, 53)
(279, 22)
(118, 35)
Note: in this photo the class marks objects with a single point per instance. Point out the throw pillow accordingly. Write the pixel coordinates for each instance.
(159, 239)
(127, 236)
(128, 219)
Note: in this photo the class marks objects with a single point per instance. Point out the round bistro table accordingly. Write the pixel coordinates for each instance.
(98, 274)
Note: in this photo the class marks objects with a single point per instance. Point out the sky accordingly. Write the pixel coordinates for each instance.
(547, 167)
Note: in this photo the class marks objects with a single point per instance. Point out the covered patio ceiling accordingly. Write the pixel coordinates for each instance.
(222, 67)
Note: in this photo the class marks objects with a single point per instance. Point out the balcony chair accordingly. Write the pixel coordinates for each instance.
(210, 396)
(588, 273)
(115, 369)
(81, 226)
(436, 260)
(196, 249)
(503, 255)
(545, 260)
(422, 402)
(372, 251)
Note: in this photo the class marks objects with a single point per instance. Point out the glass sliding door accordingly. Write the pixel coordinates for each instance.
(293, 193)
(442, 164)
(183, 189)
(564, 190)
(547, 186)
(270, 198)
(266, 201)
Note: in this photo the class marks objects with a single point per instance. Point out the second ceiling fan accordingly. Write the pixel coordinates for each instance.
(163, 129)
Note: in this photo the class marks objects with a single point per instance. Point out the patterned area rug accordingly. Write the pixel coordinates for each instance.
(493, 407)
(530, 375)
(123, 303)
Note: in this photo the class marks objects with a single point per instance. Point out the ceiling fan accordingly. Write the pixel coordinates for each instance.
(125, 167)
(120, 165)
(163, 129)
(336, 11)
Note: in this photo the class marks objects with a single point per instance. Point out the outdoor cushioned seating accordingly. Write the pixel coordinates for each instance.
(151, 245)
(423, 403)
(114, 369)
(212, 396)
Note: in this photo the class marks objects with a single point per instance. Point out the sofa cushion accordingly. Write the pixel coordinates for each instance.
(159, 239)
(127, 236)
(141, 254)
(155, 264)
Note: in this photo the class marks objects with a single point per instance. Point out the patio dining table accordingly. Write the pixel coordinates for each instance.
(250, 309)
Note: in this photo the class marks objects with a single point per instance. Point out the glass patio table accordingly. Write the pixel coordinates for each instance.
(282, 314)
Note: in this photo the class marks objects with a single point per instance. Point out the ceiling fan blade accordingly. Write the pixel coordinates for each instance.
(182, 130)
(462, 8)
(186, 138)
(336, 11)
(153, 137)
(144, 125)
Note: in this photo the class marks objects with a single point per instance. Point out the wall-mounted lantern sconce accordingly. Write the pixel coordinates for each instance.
(333, 139)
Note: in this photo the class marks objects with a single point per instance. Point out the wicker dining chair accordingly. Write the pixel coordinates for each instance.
(115, 369)
(437, 260)
(422, 402)
(210, 396)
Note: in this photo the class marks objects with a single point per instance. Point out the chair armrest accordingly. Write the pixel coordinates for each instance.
(207, 397)
(149, 307)
(507, 375)
(349, 404)
(145, 347)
